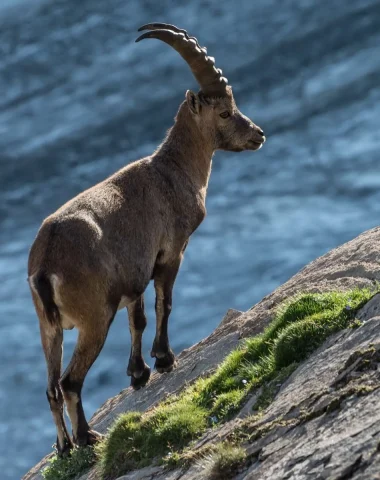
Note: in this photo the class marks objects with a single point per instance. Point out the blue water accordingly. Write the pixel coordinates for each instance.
(79, 99)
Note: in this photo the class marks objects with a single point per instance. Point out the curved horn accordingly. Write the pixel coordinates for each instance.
(209, 78)
(168, 26)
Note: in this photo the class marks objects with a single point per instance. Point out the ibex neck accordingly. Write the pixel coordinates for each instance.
(186, 148)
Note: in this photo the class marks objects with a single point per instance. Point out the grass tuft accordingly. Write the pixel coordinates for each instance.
(224, 462)
(134, 440)
(298, 328)
(72, 467)
(302, 336)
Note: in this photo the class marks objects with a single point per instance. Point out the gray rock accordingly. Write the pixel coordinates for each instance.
(370, 310)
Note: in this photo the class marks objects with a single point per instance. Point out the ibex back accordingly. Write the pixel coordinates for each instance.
(99, 251)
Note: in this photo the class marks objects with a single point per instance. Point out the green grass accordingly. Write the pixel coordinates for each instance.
(70, 467)
(299, 327)
(135, 439)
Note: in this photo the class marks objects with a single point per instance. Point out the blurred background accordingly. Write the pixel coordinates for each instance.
(79, 99)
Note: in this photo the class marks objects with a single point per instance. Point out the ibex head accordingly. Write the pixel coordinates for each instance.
(213, 108)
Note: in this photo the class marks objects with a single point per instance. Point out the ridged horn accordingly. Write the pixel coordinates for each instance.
(210, 79)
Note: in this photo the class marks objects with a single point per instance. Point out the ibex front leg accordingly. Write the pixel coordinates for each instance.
(164, 278)
(137, 368)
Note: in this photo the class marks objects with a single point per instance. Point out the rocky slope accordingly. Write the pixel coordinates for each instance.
(324, 421)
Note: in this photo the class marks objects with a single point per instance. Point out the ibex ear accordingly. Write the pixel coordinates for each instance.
(193, 102)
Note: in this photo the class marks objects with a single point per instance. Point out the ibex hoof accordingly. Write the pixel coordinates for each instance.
(166, 363)
(89, 438)
(142, 380)
(64, 450)
(136, 367)
(94, 437)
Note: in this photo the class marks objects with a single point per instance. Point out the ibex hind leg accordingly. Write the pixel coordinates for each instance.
(137, 369)
(91, 338)
(52, 342)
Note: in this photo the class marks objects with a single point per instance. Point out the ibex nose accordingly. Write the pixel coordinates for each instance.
(260, 132)
(257, 129)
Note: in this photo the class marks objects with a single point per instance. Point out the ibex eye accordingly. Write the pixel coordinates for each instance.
(224, 114)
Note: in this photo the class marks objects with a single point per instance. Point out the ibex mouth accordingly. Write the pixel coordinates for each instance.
(254, 145)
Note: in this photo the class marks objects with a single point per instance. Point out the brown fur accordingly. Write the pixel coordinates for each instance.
(99, 251)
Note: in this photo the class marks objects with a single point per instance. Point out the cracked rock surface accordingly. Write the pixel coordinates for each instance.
(329, 428)
(324, 422)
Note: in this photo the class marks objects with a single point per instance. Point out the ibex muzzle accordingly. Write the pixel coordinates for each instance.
(99, 251)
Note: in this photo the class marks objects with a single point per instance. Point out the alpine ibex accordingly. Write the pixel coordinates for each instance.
(98, 252)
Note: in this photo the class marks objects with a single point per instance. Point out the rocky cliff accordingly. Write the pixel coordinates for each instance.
(323, 421)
